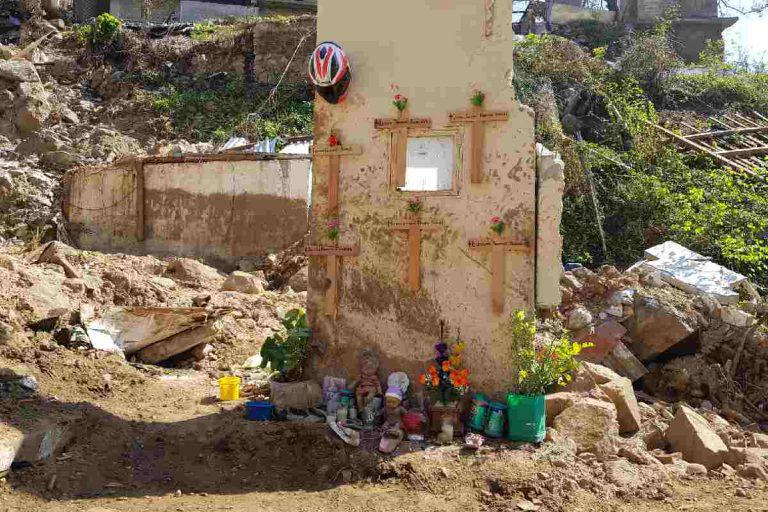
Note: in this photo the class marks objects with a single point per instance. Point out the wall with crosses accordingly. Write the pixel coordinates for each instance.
(412, 194)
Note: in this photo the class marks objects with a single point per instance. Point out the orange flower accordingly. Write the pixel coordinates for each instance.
(435, 381)
(446, 366)
(432, 371)
(422, 379)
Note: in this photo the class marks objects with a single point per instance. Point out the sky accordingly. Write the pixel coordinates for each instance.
(750, 33)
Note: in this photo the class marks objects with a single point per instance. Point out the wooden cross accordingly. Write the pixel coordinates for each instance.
(499, 247)
(399, 144)
(414, 227)
(477, 117)
(334, 154)
(333, 255)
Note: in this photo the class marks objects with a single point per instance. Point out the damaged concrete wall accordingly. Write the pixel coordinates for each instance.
(549, 242)
(437, 53)
(221, 209)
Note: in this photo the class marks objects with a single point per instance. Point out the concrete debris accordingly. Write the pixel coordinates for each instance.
(690, 434)
(693, 272)
(244, 282)
(623, 396)
(591, 424)
(656, 326)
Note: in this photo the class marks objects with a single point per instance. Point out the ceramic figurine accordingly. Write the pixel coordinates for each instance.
(393, 422)
(369, 385)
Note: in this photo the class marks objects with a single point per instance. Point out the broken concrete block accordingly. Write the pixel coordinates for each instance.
(591, 424)
(623, 473)
(690, 434)
(243, 282)
(624, 362)
(623, 397)
(753, 471)
(189, 270)
(656, 326)
(557, 403)
(734, 316)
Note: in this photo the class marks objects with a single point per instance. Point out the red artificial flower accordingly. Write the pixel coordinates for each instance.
(398, 97)
(495, 220)
(333, 141)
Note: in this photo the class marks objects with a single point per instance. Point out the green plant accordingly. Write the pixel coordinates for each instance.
(540, 363)
(497, 225)
(102, 32)
(415, 205)
(477, 99)
(333, 230)
(286, 352)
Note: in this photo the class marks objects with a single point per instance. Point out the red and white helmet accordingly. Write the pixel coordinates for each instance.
(328, 65)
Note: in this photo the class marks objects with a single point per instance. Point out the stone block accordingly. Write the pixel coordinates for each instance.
(557, 403)
(624, 362)
(622, 395)
(690, 434)
(657, 326)
(243, 282)
(591, 424)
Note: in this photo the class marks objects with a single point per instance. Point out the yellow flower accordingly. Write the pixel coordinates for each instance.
(459, 347)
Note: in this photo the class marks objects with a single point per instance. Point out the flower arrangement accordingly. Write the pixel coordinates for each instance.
(497, 225)
(333, 230)
(540, 363)
(333, 140)
(398, 100)
(446, 380)
(477, 98)
(415, 205)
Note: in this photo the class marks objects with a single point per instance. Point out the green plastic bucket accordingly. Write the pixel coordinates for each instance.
(496, 417)
(526, 418)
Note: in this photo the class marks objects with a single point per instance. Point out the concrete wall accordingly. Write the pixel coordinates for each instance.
(132, 10)
(220, 210)
(192, 10)
(549, 242)
(436, 52)
(563, 13)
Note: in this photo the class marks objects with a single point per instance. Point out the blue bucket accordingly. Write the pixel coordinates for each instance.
(259, 411)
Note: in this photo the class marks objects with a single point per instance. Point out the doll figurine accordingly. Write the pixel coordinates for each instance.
(369, 385)
(393, 420)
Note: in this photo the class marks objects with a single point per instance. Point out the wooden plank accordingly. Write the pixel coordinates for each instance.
(399, 155)
(477, 115)
(332, 294)
(176, 344)
(414, 258)
(721, 133)
(478, 136)
(138, 167)
(407, 224)
(333, 185)
(391, 124)
(744, 151)
(510, 244)
(337, 150)
(498, 271)
(331, 250)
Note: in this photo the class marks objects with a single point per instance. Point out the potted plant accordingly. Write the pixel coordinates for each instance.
(285, 354)
(446, 382)
(540, 364)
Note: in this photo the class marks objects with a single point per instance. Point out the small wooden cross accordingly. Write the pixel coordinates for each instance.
(333, 255)
(334, 153)
(399, 144)
(477, 117)
(499, 247)
(414, 227)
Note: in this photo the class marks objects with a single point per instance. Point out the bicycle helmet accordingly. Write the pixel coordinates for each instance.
(330, 72)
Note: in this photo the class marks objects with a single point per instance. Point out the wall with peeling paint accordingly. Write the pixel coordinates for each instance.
(221, 210)
(436, 51)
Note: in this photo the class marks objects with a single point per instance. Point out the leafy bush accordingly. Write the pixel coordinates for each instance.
(286, 353)
(204, 111)
(540, 363)
(101, 32)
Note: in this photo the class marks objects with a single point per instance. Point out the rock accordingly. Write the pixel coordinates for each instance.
(189, 270)
(606, 336)
(32, 107)
(734, 316)
(39, 143)
(6, 186)
(10, 442)
(637, 455)
(656, 326)
(760, 440)
(164, 282)
(622, 298)
(738, 455)
(600, 374)
(15, 372)
(569, 281)
(579, 318)
(690, 434)
(61, 160)
(557, 403)
(617, 311)
(740, 493)
(753, 471)
(18, 71)
(667, 458)
(299, 281)
(591, 424)
(6, 333)
(623, 473)
(244, 283)
(624, 362)
(622, 395)
(695, 469)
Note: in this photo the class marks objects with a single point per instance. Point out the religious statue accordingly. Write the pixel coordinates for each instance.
(369, 385)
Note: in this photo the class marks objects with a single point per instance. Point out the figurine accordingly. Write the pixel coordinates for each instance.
(394, 412)
(369, 385)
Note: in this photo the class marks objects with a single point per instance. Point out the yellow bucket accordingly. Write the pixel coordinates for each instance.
(229, 388)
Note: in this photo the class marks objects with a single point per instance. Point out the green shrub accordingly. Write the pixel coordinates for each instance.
(286, 352)
(101, 32)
